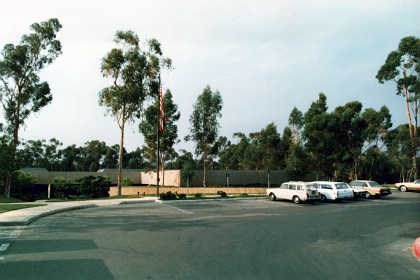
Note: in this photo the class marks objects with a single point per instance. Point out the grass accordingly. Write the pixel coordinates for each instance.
(16, 206)
(10, 204)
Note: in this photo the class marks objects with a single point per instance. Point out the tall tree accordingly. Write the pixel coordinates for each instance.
(268, 145)
(403, 67)
(134, 70)
(169, 135)
(317, 137)
(204, 125)
(21, 91)
(296, 124)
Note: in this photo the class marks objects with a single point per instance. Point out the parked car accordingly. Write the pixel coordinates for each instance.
(334, 191)
(372, 188)
(296, 191)
(408, 186)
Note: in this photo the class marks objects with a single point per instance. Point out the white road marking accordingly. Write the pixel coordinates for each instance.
(4, 247)
(185, 211)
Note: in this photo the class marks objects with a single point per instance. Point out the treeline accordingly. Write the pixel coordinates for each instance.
(347, 143)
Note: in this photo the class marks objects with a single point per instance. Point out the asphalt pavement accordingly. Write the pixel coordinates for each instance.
(25, 216)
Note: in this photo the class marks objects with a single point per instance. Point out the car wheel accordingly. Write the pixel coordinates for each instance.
(368, 195)
(272, 197)
(296, 199)
(403, 188)
(324, 198)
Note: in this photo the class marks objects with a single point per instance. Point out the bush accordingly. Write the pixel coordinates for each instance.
(167, 196)
(198, 195)
(182, 196)
(127, 182)
(222, 193)
(244, 194)
(91, 186)
(63, 187)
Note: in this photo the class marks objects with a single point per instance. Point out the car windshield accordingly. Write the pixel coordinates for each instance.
(312, 187)
(341, 186)
(373, 184)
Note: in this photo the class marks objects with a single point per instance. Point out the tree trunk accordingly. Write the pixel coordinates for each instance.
(412, 129)
(121, 152)
(15, 142)
(204, 169)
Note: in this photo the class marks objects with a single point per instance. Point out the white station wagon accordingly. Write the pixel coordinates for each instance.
(334, 191)
(296, 191)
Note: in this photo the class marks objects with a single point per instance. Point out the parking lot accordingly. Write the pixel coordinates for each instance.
(223, 239)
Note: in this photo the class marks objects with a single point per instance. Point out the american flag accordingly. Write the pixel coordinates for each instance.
(161, 115)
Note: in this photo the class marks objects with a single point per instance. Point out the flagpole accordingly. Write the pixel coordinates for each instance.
(158, 139)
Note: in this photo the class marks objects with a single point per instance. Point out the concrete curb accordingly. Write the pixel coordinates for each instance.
(31, 218)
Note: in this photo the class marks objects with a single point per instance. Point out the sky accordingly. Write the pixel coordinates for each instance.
(264, 57)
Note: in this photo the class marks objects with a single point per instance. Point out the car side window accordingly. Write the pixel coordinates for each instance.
(292, 187)
(284, 186)
(299, 187)
(326, 187)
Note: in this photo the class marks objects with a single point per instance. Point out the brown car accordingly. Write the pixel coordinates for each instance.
(408, 186)
(372, 188)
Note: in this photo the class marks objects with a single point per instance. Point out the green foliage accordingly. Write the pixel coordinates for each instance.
(91, 186)
(182, 196)
(127, 182)
(221, 193)
(23, 186)
(403, 67)
(61, 187)
(134, 70)
(6, 160)
(169, 136)
(198, 195)
(21, 91)
(167, 196)
(204, 125)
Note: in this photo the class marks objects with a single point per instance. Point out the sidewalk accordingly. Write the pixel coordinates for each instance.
(23, 217)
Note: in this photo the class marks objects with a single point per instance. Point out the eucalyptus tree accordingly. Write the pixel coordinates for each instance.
(204, 125)
(168, 136)
(21, 91)
(296, 123)
(6, 166)
(403, 67)
(318, 138)
(268, 144)
(134, 68)
(399, 150)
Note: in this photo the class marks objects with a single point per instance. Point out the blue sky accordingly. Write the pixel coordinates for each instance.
(264, 57)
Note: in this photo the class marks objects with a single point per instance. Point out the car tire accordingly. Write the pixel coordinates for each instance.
(272, 197)
(403, 188)
(323, 198)
(296, 199)
(368, 195)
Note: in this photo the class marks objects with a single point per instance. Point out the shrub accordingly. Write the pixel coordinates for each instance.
(91, 186)
(222, 193)
(182, 196)
(244, 194)
(167, 196)
(198, 195)
(127, 182)
(63, 187)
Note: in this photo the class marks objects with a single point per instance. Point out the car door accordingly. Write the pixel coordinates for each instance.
(416, 185)
(281, 192)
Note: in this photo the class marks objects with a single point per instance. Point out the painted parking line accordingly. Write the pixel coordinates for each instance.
(179, 209)
(4, 247)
